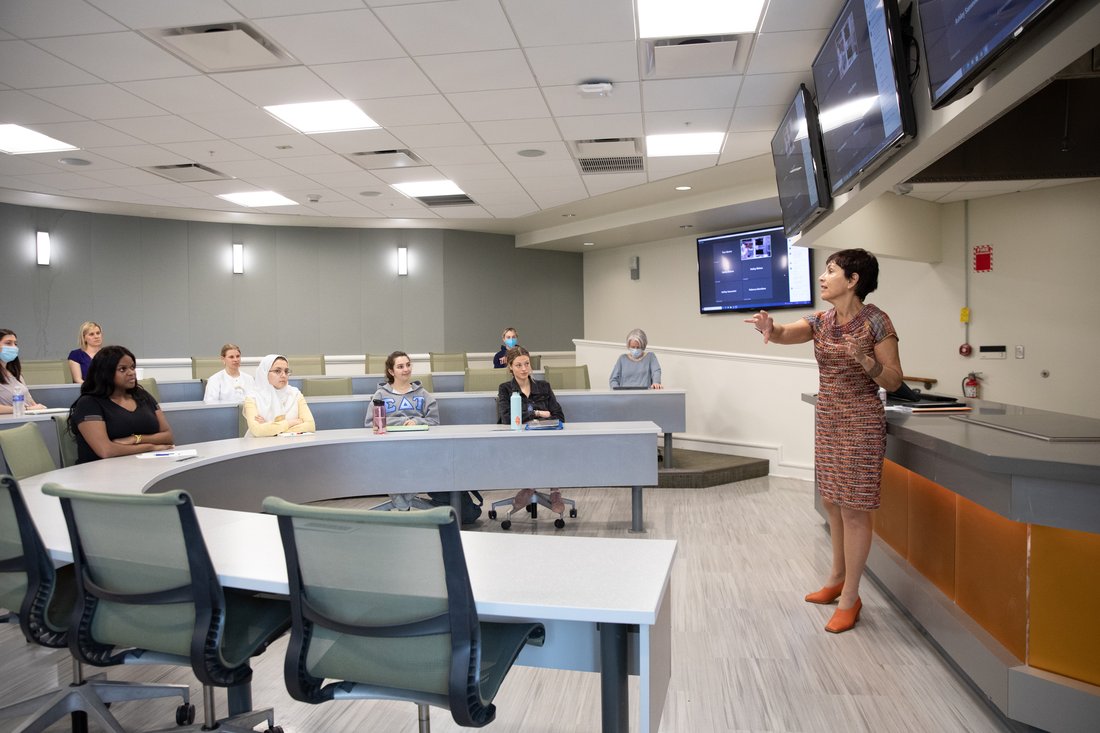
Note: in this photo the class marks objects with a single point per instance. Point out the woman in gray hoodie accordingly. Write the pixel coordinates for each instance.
(406, 403)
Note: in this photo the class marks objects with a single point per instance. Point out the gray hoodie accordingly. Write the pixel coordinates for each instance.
(417, 405)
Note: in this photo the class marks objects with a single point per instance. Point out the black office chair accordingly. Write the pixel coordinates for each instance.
(147, 593)
(399, 625)
(41, 600)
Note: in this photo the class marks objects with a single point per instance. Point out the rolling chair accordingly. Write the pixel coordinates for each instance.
(376, 363)
(25, 452)
(46, 372)
(156, 599)
(302, 366)
(65, 441)
(448, 362)
(42, 600)
(536, 362)
(425, 380)
(484, 380)
(326, 386)
(400, 627)
(149, 384)
(568, 377)
(205, 367)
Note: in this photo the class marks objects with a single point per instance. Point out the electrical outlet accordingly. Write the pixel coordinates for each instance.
(1019, 351)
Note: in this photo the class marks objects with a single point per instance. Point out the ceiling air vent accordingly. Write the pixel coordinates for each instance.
(452, 199)
(221, 47)
(187, 172)
(374, 160)
(609, 155)
(695, 56)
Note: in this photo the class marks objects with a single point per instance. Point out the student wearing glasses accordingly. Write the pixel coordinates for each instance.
(275, 406)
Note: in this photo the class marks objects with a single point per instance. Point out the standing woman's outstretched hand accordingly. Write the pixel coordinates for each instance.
(763, 323)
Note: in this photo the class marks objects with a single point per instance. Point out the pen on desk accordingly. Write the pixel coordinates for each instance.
(185, 458)
(161, 455)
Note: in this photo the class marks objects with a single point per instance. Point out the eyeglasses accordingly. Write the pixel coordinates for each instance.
(281, 372)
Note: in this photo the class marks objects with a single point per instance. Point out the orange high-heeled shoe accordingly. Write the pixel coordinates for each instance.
(844, 619)
(827, 594)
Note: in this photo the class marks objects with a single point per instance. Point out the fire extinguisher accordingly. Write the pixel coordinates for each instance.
(972, 385)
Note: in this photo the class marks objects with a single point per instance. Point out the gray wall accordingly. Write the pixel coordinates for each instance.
(165, 287)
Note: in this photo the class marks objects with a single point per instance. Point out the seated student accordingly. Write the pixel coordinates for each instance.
(407, 403)
(274, 406)
(114, 415)
(509, 338)
(11, 374)
(80, 359)
(636, 368)
(229, 385)
(538, 403)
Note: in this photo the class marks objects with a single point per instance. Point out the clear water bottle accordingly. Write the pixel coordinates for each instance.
(18, 401)
(515, 407)
(882, 396)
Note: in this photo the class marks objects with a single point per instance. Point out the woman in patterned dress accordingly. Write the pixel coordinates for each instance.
(856, 348)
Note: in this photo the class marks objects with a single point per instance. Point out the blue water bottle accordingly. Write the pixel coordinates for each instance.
(515, 405)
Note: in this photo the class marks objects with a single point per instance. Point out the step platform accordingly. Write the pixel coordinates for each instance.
(698, 470)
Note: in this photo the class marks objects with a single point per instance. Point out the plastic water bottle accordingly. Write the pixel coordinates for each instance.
(882, 396)
(18, 401)
(515, 406)
(378, 417)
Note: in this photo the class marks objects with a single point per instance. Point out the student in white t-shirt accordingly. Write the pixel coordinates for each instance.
(229, 385)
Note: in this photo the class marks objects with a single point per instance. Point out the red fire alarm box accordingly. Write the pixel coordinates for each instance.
(983, 258)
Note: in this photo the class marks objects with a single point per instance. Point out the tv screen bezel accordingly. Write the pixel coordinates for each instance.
(843, 181)
(796, 221)
(970, 78)
(749, 306)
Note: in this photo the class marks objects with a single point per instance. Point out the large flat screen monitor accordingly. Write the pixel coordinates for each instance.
(752, 270)
(963, 37)
(862, 81)
(800, 164)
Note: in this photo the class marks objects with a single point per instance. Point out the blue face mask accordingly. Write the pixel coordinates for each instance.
(636, 353)
(9, 353)
(510, 343)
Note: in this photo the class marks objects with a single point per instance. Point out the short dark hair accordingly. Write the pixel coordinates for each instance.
(859, 262)
(14, 367)
(391, 360)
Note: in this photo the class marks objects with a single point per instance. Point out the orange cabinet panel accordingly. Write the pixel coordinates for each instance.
(991, 573)
(1064, 603)
(892, 517)
(932, 532)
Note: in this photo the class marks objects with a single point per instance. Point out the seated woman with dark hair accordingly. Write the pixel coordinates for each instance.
(11, 374)
(114, 415)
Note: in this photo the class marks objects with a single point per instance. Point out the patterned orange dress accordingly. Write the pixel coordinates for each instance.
(849, 424)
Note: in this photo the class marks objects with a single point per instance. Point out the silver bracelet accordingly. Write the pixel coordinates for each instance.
(874, 371)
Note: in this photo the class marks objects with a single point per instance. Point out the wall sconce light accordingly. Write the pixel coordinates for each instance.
(635, 268)
(238, 259)
(42, 244)
(402, 260)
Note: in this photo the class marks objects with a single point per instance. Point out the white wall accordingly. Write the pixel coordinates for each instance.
(1042, 293)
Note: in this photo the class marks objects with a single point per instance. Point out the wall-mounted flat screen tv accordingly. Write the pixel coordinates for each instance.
(863, 99)
(752, 270)
(963, 37)
(800, 164)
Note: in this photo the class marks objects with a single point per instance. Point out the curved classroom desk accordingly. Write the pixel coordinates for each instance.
(609, 612)
(991, 541)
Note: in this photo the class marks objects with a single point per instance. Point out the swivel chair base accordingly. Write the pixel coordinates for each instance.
(538, 498)
(416, 503)
(240, 723)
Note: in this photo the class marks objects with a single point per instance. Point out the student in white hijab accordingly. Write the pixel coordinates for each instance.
(274, 406)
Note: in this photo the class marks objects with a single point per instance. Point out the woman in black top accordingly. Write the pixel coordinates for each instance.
(114, 415)
(538, 403)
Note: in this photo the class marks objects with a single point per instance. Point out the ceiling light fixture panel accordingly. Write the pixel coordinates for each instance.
(311, 118)
(257, 199)
(688, 143)
(18, 140)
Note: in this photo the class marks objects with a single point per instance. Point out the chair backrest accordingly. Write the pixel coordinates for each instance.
(425, 381)
(319, 386)
(448, 362)
(484, 380)
(145, 581)
(536, 362)
(66, 441)
(403, 624)
(568, 377)
(204, 367)
(307, 366)
(149, 384)
(28, 583)
(46, 372)
(376, 363)
(25, 452)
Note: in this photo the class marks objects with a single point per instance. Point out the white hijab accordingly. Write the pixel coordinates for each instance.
(270, 402)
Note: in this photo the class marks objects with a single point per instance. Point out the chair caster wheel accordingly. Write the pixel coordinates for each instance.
(274, 729)
(185, 714)
(492, 514)
(572, 513)
(531, 509)
(506, 524)
(559, 522)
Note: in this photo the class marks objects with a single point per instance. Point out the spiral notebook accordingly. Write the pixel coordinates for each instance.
(543, 425)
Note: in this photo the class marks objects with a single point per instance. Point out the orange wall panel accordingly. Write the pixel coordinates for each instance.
(991, 573)
(892, 517)
(932, 532)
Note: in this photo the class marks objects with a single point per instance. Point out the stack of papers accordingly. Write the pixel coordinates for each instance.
(186, 452)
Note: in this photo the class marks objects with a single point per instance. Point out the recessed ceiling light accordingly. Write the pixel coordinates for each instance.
(315, 117)
(284, 147)
(73, 161)
(256, 199)
(531, 153)
(589, 244)
(568, 216)
(369, 194)
(662, 19)
(687, 143)
(683, 188)
(687, 226)
(18, 140)
(428, 188)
